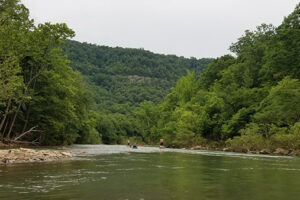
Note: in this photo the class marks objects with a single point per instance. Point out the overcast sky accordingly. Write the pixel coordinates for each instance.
(198, 28)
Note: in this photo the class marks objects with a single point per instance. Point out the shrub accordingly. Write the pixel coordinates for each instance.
(250, 139)
(290, 140)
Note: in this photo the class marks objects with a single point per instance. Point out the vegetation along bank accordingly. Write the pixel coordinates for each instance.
(57, 91)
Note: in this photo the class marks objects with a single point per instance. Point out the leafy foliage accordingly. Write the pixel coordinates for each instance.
(42, 98)
(251, 100)
(129, 76)
(121, 79)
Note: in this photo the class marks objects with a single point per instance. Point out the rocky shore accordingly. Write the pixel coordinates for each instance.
(23, 155)
(277, 151)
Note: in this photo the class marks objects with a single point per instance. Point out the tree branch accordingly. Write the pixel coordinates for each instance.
(27, 132)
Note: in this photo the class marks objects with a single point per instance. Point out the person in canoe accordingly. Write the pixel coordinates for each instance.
(134, 146)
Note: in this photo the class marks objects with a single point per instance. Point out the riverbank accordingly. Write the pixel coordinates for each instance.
(24, 155)
(265, 151)
(241, 148)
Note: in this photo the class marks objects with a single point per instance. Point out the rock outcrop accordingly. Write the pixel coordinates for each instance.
(198, 147)
(134, 79)
(22, 155)
(295, 153)
(280, 151)
(265, 151)
(226, 149)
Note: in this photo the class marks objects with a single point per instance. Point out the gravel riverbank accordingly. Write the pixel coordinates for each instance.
(23, 155)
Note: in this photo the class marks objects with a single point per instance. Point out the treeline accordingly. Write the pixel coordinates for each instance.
(42, 100)
(249, 101)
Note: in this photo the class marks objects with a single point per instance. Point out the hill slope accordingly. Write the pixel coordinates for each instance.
(128, 76)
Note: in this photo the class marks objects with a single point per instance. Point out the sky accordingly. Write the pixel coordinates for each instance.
(189, 28)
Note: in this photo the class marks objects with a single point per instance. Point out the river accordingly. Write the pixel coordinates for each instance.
(109, 172)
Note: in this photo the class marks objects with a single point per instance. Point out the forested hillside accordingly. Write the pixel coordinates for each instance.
(128, 76)
(121, 78)
(251, 101)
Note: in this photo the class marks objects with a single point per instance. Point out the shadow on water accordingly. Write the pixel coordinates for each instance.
(117, 172)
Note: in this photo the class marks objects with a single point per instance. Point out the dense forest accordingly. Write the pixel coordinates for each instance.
(128, 76)
(120, 79)
(44, 100)
(58, 91)
(248, 101)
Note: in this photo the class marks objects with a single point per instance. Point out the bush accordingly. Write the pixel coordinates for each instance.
(92, 137)
(199, 140)
(290, 140)
(250, 139)
(184, 139)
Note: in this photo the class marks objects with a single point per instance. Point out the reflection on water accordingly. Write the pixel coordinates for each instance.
(118, 172)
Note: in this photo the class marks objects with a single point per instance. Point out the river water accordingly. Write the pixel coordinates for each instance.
(103, 172)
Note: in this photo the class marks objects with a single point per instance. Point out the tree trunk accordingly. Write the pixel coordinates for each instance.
(28, 112)
(6, 124)
(25, 133)
(26, 119)
(14, 119)
(22, 100)
(5, 115)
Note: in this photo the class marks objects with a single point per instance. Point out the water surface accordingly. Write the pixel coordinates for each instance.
(117, 172)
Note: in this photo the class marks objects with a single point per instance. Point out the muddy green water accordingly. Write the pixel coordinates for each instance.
(117, 172)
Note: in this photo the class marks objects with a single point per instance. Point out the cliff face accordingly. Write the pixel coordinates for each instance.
(134, 79)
